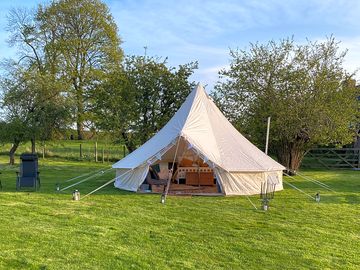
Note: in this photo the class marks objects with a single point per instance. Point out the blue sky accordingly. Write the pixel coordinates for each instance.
(193, 30)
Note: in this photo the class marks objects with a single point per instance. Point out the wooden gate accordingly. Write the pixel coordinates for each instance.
(332, 158)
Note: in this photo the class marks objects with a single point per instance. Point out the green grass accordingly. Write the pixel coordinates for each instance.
(114, 229)
(70, 149)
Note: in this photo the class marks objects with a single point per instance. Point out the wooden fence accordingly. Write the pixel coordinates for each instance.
(332, 158)
(87, 151)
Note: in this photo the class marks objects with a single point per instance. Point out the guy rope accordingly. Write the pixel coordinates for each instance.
(86, 179)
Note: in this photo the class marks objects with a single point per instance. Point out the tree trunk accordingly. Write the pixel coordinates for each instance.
(80, 118)
(79, 110)
(12, 151)
(128, 143)
(290, 155)
(80, 129)
(33, 145)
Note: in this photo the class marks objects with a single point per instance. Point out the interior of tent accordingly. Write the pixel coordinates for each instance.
(188, 172)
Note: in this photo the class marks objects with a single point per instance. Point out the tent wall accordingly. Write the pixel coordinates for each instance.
(131, 179)
(246, 183)
(203, 125)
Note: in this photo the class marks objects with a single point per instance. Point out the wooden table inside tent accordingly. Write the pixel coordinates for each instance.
(203, 176)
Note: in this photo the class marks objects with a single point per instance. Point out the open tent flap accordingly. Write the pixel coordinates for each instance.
(185, 151)
(247, 183)
(130, 180)
(187, 156)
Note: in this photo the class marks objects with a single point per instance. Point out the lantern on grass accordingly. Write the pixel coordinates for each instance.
(317, 197)
(76, 195)
(163, 198)
(57, 187)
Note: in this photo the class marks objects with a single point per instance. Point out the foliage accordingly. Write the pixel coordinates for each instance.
(76, 41)
(36, 100)
(33, 103)
(113, 229)
(304, 88)
(140, 98)
(12, 131)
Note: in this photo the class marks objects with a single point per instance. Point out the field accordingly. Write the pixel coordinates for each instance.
(114, 229)
(72, 150)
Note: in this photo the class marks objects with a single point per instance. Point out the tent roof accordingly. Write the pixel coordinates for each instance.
(203, 125)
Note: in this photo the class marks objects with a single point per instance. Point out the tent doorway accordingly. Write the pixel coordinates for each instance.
(191, 175)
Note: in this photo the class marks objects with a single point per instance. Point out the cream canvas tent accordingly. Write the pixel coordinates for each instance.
(200, 129)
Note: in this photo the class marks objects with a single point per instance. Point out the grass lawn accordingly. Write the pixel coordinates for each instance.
(70, 149)
(114, 229)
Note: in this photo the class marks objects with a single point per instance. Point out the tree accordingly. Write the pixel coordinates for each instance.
(75, 40)
(141, 97)
(304, 88)
(34, 107)
(12, 132)
(86, 39)
(33, 90)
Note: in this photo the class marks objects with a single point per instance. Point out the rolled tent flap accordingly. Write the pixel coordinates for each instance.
(131, 179)
(247, 183)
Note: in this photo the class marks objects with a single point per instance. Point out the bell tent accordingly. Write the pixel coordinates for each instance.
(199, 149)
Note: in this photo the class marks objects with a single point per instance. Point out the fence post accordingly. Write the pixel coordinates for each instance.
(103, 155)
(108, 153)
(123, 150)
(43, 152)
(96, 153)
(81, 153)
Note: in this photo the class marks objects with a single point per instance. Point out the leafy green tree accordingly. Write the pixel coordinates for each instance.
(88, 44)
(304, 88)
(74, 40)
(34, 107)
(141, 97)
(13, 132)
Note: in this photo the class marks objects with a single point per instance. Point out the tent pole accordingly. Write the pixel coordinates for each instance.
(267, 135)
(198, 170)
(164, 195)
